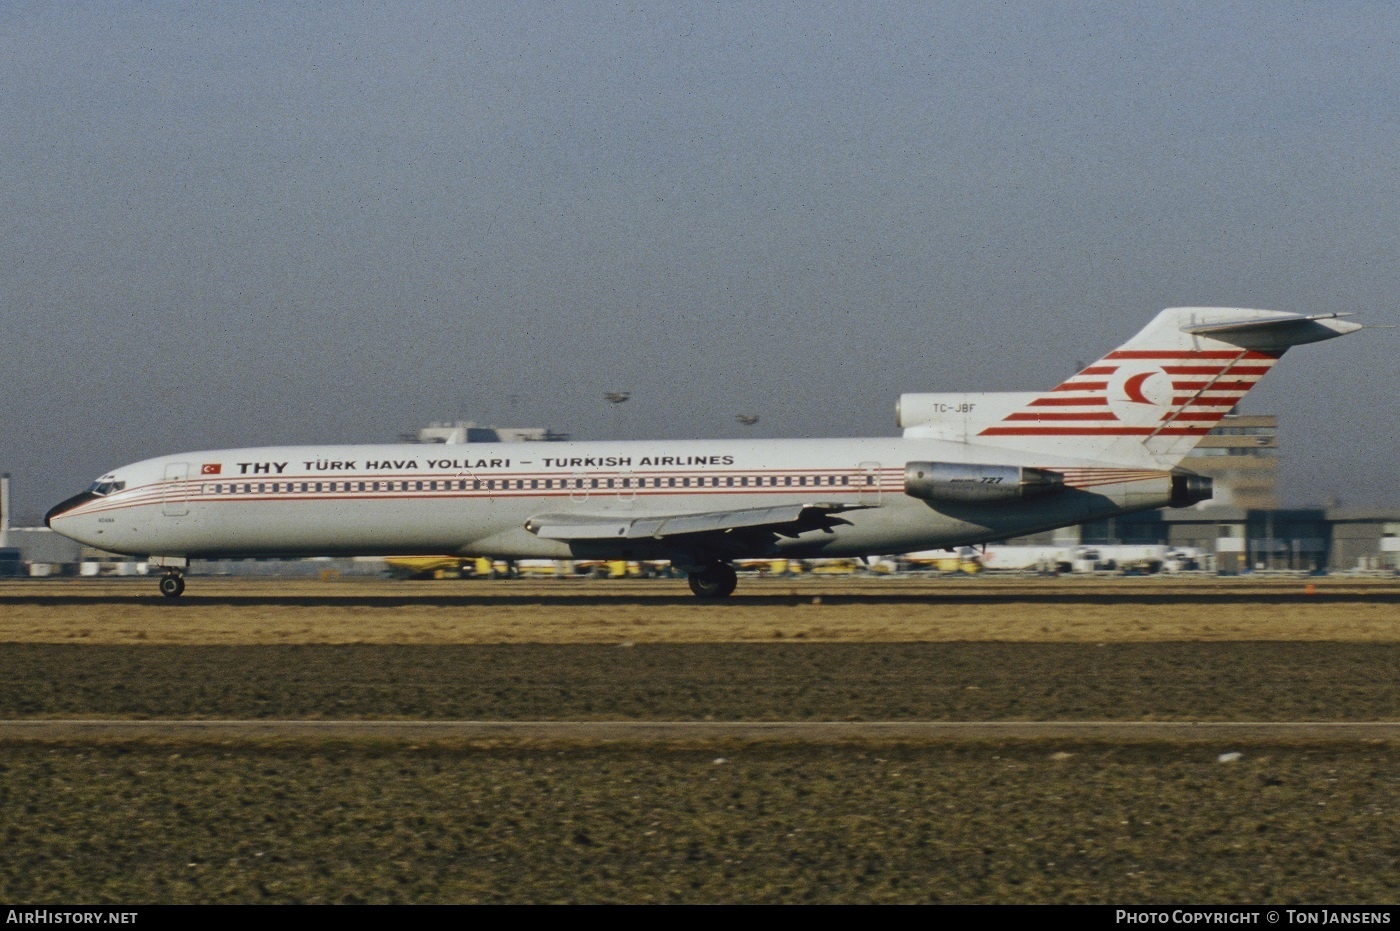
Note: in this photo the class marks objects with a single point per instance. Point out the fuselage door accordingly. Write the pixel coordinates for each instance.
(627, 488)
(174, 491)
(478, 490)
(867, 482)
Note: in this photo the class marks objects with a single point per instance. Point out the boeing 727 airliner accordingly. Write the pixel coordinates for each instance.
(970, 468)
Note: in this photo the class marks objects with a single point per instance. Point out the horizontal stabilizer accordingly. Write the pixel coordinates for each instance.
(601, 527)
(1276, 333)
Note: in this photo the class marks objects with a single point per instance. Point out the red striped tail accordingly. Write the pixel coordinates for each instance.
(1145, 404)
(1142, 393)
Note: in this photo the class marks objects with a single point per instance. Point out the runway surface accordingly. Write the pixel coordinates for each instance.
(753, 592)
(641, 732)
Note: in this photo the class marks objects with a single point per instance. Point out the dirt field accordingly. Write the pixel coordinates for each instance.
(1232, 815)
(788, 681)
(1063, 822)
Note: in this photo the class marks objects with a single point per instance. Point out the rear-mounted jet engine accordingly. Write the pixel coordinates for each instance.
(1188, 488)
(951, 481)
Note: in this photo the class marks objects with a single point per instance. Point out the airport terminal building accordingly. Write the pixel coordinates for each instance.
(1242, 528)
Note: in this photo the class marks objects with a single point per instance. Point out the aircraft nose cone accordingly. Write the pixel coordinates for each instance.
(66, 505)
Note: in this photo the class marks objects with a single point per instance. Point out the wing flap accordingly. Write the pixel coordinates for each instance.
(568, 527)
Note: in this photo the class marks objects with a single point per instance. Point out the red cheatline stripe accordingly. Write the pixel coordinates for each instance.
(1069, 402)
(1061, 415)
(1240, 386)
(1081, 386)
(1099, 370)
(285, 497)
(1207, 400)
(1083, 472)
(1091, 483)
(1115, 481)
(1094, 431)
(1216, 369)
(1225, 395)
(1210, 416)
(1098, 482)
(1213, 392)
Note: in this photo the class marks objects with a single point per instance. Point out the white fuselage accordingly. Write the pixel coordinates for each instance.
(971, 468)
(475, 499)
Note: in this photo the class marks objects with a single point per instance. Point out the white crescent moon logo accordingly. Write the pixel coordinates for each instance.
(1140, 397)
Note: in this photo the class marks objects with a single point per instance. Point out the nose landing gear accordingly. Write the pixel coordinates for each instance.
(172, 584)
(714, 580)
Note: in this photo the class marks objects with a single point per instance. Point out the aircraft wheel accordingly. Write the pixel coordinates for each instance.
(717, 580)
(172, 586)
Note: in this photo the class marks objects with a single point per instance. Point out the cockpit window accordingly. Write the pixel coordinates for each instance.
(106, 488)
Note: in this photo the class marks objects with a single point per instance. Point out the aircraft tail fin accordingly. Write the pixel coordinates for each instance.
(1148, 403)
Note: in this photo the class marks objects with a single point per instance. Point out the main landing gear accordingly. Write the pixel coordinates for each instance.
(713, 580)
(172, 584)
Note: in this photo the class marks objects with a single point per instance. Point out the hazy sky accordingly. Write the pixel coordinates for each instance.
(239, 224)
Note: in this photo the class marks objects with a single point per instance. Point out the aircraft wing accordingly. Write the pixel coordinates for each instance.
(785, 519)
